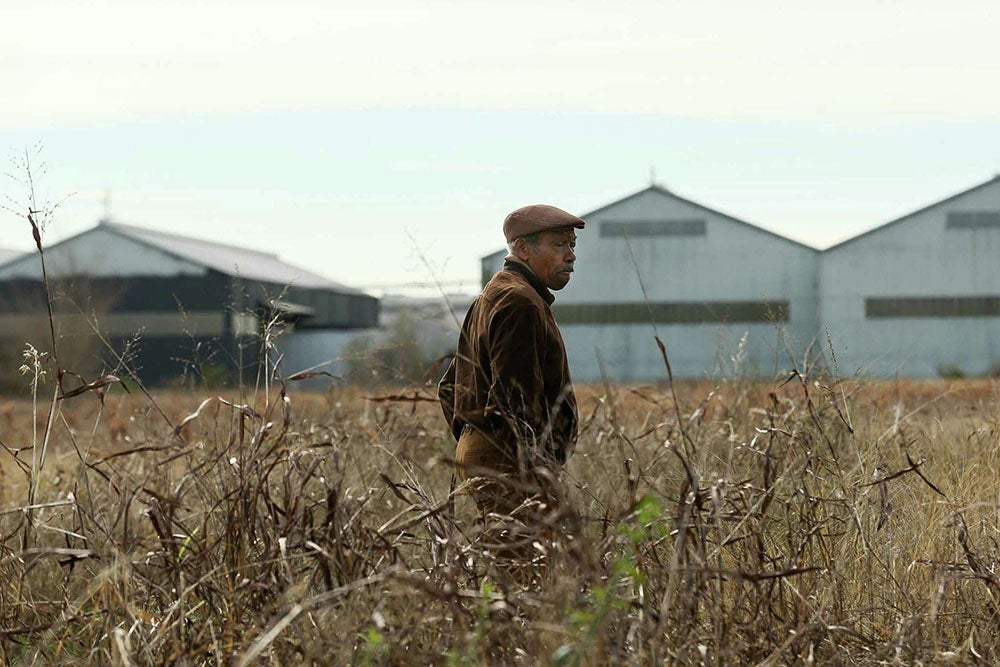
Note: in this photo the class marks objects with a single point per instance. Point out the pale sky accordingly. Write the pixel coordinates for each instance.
(379, 144)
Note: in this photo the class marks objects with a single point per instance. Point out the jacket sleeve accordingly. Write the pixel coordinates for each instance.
(517, 347)
(447, 387)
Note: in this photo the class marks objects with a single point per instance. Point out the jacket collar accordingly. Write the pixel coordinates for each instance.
(517, 266)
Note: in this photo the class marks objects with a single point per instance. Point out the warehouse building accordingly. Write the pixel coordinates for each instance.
(918, 296)
(725, 296)
(174, 306)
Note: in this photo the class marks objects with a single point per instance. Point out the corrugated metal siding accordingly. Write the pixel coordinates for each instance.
(319, 350)
(734, 264)
(917, 296)
(628, 353)
(914, 298)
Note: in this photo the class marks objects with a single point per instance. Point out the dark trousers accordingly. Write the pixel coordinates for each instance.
(517, 502)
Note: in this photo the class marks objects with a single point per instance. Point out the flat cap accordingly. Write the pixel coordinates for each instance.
(537, 218)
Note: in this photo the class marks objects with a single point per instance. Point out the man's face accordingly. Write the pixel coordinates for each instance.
(552, 259)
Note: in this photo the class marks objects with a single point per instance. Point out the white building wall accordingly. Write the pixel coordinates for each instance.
(492, 263)
(917, 256)
(435, 321)
(319, 350)
(733, 261)
(628, 352)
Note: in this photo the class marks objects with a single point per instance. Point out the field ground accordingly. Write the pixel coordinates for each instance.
(736, 523)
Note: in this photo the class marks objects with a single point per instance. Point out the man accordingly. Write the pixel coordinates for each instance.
(507, 395)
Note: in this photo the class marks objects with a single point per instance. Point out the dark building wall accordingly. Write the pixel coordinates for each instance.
(336, 310)
(134, 294)
(155, 360)
(163, 360)
(169, 327)
(333, 309)
(164, 327)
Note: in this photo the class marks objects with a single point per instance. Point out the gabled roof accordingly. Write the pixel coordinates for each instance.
(906, 217)
(228, 259)
(659, 189)
(6, 255)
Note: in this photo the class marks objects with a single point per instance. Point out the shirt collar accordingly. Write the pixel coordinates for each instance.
(517, 266)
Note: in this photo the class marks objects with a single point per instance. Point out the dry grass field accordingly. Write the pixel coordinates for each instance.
(804, 522)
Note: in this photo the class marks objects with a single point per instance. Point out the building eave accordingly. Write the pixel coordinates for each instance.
(912, 214)
(659, 189)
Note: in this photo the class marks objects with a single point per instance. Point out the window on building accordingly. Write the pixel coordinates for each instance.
(973, 220)
(646, 228)
(672, 313)
(937, 306)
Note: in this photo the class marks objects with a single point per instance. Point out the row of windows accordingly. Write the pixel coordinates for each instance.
(942, 306)
(645, 228)
(973, 220)
(672, 313)
(696, 226)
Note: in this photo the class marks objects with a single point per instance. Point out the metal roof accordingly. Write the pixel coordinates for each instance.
(228, 259)
(7, 255)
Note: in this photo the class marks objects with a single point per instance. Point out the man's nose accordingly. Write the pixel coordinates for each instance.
(570, 256)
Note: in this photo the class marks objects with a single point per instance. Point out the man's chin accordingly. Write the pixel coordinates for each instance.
(560, 281)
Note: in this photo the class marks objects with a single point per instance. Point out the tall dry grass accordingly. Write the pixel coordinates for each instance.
(754, 527)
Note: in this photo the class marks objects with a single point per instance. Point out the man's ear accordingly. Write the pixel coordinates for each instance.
(521, 249)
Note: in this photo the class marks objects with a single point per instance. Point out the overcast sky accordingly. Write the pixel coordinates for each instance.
(380, 144)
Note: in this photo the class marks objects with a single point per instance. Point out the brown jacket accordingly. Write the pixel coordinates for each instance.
(509, 378)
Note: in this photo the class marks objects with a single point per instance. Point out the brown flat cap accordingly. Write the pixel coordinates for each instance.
(537, 218)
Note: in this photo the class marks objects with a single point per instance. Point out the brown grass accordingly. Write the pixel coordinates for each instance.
(753, 528)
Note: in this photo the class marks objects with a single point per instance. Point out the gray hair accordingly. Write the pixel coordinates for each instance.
(530, 239)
